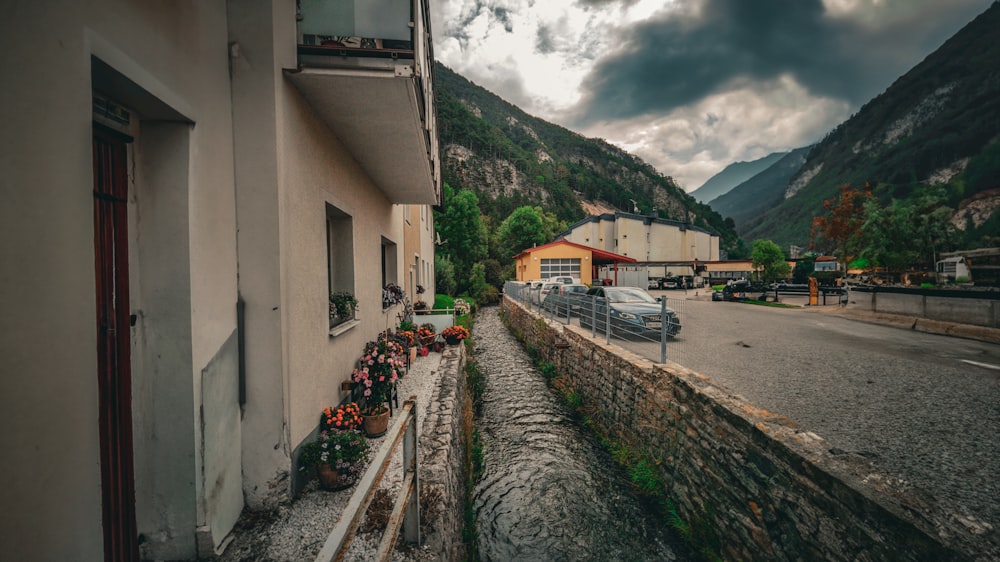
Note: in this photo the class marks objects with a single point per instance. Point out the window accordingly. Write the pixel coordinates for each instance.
(388, 262)
(559, 267)
(340, 259)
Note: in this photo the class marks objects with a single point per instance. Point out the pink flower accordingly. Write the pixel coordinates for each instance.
(368, 392)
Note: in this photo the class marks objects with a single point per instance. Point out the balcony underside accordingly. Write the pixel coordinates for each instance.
(376, 114)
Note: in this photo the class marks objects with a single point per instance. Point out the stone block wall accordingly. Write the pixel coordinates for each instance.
(765, 488)
(442, 460)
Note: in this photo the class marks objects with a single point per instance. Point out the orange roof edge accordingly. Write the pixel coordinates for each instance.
(603, 255)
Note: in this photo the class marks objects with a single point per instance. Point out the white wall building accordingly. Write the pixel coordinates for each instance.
(185, 183)
(647, 239)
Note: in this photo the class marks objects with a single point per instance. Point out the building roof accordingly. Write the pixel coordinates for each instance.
(597, 256)
(646, 219)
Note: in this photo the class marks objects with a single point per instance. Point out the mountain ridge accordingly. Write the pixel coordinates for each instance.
(509, 158)
(936, 125)
(732, 176)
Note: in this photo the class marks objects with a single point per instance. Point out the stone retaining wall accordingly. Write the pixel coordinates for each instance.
(765, 488)
(442, 458)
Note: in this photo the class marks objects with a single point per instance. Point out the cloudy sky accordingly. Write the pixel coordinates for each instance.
(691, 86)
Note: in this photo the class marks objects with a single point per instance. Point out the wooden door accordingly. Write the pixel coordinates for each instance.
(113, 345)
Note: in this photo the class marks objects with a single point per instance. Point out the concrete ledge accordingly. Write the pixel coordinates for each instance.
(926, 325)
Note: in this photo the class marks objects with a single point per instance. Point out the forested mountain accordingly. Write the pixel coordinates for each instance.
(750, 200)
(733, 175)
(936, 128)
(509, 159)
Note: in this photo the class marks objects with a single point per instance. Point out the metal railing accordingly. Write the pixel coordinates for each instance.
(406, 510)
(594, 313)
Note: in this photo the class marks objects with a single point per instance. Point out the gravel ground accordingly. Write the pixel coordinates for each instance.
(296, 530)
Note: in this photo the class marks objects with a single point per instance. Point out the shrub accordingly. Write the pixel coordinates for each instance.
(490, 295)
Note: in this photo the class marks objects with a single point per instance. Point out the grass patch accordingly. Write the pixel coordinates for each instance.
(443, 301)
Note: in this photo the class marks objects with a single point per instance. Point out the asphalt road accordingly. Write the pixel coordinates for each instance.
(922, 407)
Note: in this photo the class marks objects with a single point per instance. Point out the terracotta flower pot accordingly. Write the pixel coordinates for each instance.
(331, 479)
(376, 426)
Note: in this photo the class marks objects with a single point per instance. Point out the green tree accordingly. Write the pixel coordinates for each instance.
(477, 281)
(444, 274)
(769, 260)
(494, 272)
(804, 268)
(906, 233)
(527, 226)
(463, 235)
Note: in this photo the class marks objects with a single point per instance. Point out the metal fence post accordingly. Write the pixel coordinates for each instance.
(663, 329)
(593, 316)
(607, 320)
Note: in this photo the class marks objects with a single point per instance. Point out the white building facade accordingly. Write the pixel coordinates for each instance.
(185, 184)
(644, 238)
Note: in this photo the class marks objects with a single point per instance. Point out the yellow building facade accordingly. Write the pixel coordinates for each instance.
(563, 258)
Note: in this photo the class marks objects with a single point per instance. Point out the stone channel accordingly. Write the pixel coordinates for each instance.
(549, 491)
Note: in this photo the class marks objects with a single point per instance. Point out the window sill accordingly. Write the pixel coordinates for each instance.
(343, 327)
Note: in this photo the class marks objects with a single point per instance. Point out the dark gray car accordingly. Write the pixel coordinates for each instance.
(633, 311)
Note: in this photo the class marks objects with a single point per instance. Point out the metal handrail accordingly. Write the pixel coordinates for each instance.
(589, 306)
(339, 540)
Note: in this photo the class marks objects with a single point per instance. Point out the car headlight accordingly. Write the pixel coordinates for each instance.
(626, 315)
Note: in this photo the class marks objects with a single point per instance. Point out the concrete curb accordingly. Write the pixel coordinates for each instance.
(925, 325)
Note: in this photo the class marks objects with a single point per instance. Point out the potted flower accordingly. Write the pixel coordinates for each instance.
(343, 305)
(392, 294)
(342, 418)
(420, 306)
(378, 372)
(410, 338)
(454, 334)
(426, 334)
(462, 307)
(338, 456)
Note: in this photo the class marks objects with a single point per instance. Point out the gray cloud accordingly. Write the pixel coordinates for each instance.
(686, 55)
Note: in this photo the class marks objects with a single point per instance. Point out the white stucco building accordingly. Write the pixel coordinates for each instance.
(644, 238)
(184, 185)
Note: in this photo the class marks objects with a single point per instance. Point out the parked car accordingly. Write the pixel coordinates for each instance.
(633, 311)
(564, 279)
(563, 296)
(545, 289)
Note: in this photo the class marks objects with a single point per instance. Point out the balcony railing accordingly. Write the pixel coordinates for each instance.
(366, 68)
(360, 28)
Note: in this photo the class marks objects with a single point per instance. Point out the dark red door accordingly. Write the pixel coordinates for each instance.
(113, 345)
